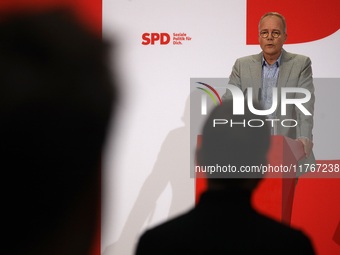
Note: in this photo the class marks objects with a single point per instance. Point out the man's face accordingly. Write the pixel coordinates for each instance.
(271, 46)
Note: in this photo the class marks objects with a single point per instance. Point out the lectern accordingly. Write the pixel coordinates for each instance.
(275, 193)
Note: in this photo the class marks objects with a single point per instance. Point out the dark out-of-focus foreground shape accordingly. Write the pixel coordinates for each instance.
(57, 97)
(224, 220)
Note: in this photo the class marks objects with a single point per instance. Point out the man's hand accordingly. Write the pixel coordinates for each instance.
(307, 145)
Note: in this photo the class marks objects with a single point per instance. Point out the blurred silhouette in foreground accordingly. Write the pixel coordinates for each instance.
(224, 221)
(57, 97)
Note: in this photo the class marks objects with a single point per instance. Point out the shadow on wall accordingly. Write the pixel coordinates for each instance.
(171, 168)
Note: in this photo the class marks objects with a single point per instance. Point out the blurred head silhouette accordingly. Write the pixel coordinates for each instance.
(56, 100)
(231, 140)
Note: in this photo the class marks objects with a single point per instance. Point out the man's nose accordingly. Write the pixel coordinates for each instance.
(270, 36)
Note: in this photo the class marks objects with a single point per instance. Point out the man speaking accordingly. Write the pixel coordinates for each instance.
(276, 68)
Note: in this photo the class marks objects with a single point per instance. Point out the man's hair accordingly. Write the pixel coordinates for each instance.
(238, 144)
(56, 102)
(280, 16)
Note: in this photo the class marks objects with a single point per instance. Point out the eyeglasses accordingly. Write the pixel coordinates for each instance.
(265, 34)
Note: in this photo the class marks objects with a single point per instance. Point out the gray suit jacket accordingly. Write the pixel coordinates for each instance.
(295, 71)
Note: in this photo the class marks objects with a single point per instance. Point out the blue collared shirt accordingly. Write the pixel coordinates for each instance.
(270, 75)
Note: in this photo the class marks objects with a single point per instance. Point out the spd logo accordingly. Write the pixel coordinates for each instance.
(155, 38)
